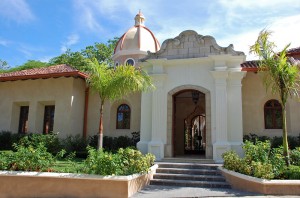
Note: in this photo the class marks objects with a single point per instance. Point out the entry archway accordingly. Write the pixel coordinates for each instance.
(175, 132)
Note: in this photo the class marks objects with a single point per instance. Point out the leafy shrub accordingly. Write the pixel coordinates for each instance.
(253, 138)
(262, 170)
(276, 141)
(75, 144)
(93, 140)
(7, 139)
(292, 141)
(115, 143)
(231, 161)
(124, 162)
(244, 167)
(277, 160)
(5, 160)
(27, 159)
(292, 172)
(133, 161)
(135, 137)
(258, 152)
(260, 160)
(295, 156)
(50, 141)
(100, 162)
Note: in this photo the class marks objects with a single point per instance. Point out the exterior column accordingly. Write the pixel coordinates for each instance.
(235, 111)
(146, 122)
(221, 144)
(159, 117)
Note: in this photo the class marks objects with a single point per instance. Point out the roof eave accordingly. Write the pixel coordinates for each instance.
(44, 76)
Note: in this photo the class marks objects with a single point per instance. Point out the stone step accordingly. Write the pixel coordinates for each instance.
(188, 171)
(188, 165)
(189, 177)
(187, 160)
(186, 183)
(187, 174)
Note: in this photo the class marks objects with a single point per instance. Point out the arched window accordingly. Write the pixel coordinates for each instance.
(130, 61)
(273, 115)
(123, 117)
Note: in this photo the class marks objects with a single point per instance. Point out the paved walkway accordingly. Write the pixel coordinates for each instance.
(175, 191)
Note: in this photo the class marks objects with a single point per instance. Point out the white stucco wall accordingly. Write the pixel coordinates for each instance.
(255, 96)
(193, 61)
(196, 74)
(110, 115)
(67, 94)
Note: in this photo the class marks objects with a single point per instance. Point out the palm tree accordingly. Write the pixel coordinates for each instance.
(114, 83)
(279, 74)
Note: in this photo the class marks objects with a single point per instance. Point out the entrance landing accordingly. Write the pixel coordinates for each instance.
(188, 159)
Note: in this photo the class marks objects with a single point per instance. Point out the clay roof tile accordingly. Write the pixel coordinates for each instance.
(43, 72)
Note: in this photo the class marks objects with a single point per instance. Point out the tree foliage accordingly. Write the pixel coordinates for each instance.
(30, 64)
(101, 51)
(75, 59)
(112, 84)
(3, 66)
(279, 75)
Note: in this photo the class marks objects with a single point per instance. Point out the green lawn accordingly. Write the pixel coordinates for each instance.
(68, 166)
(63, 165)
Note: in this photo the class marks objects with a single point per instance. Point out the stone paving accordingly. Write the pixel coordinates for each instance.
(175, 191)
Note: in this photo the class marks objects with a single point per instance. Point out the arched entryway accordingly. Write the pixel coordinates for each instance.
(189, 122)
(195, 132)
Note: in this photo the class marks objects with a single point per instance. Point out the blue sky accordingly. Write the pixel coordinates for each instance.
(42, 29)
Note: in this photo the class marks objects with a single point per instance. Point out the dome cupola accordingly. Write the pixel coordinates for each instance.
(135, 43)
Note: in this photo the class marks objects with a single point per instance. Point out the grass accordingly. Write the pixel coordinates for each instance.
(73, 165)
(68, 166)
(6, 151)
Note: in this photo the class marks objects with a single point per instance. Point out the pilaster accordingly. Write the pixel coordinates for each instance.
(235, 111)
(221, 137)
(159, 114)
(146, 122)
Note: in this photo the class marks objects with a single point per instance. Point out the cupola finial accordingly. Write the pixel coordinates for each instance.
(139, 19)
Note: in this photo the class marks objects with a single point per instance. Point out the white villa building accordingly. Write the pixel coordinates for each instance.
(206, 98)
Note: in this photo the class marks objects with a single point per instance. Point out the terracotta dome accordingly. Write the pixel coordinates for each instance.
(137, 40)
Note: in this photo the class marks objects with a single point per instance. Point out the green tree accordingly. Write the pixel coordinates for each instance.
(75, 59)
(102, 52)
(112, 84)
(280, 75)
(3, 65)
(30, 64)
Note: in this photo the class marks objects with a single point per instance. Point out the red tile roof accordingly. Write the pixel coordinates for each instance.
(44, 72)
(294, 51)
(253, 65)
(250, 66)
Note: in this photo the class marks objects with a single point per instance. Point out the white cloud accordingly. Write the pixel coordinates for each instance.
(45, 58)
(4, 42)
(71, 40)
(17, 10)
(284, 32)
(86, 13)
(29, 51)
(250, 4)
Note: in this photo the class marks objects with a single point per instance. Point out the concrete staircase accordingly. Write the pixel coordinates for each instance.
(188, 175)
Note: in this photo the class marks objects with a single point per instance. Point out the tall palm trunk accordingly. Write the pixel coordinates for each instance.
(100, 138)
(284, 137)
